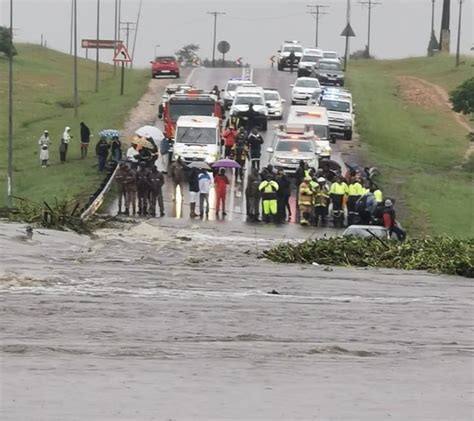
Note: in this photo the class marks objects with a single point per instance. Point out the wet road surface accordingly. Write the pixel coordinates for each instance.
(150, 322)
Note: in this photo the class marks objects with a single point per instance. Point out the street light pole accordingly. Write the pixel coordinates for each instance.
(10, 113)
(115, 32)
(215, 14)
(76, 94)
(97, 49)
(458, 47)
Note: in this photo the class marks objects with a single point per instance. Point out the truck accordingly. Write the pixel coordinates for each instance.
(314, 119)
(197, 138)
(190, 103)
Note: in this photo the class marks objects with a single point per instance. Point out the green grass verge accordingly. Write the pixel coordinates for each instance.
(42, 88)
(419, 150)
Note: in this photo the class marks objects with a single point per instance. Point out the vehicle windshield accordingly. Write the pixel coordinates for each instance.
(335, 105)
(231, 87)
(294, 146)
(307, 83)
(322, 132)
(272, 96)
(247, 99)
(294, 48)
(179, 109)
(310, 59)
(329, 66)
(329, 54)
(196, 135)
(165, 59)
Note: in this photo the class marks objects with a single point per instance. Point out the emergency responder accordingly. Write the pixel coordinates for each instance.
(378, 195)
(268, 188)
(321, 202)
(283, 196)
(156, 181)
(252, 194)
(130, 182)
(120, 177)
(305, 200)
(366, 206)
(240, 153)
(354, 192)
(230, 136)
(338, 193)
(143, 188)
(251, 116)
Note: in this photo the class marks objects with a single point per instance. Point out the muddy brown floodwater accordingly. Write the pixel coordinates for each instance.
(157, 321)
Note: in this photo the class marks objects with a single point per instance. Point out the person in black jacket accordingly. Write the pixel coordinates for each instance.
(283, 196)
(102, 152)
(255, 142)
(156, 181)
(85, 139)
(193, 179)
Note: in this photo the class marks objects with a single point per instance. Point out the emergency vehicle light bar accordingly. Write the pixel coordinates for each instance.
(311, 113)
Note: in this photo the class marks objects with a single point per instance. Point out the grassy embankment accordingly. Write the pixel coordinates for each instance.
(418, 148)
(42, 99)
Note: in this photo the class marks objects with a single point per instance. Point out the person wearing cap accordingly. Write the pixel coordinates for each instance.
(354, 191)
(305, 200)
(229, 135)
(44, 142)
(268, 189)
(390, 221)
(321, 202)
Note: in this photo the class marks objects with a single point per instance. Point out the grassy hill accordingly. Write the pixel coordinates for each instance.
(415, 140)
(43, 86)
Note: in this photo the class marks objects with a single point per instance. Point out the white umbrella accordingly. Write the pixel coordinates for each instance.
(150, 131)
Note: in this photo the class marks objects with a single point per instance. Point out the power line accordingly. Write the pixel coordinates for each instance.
(317, 13)
(370, 5)
(127, 27)
(215, 14)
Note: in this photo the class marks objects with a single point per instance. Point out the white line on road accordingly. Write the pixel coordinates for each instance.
(190, 76)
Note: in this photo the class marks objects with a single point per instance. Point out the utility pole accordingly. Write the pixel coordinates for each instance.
(458, 47)
(10, 114)
(115, 32)
(346, 49)
(128, 27)
(215, 14)
(136, 31)
(316, 13)
(97, 49)
(72, 28)
(370, 5)
(445, 36)
(76, 93)
(432, 16)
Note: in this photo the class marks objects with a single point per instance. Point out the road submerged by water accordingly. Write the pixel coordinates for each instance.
(163, 320)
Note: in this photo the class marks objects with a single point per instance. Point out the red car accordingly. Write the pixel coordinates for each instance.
(164, 66)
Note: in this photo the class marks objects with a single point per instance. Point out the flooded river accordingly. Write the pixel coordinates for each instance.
(166, 322)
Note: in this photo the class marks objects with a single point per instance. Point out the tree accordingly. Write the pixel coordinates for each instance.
(6, 45)
(462, 97)
(188, 54)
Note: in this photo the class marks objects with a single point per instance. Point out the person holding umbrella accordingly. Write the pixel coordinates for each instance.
(220, 184)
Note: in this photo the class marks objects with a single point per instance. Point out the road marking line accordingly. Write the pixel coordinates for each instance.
(188, 79)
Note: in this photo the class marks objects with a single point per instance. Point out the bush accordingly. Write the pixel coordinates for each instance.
(462, 97)
(441, 254)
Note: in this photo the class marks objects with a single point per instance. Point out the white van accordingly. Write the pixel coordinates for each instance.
(307, 118)
(246, 95)
(197, 138)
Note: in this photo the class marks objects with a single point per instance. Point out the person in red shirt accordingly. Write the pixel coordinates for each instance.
(390, 222)
(229, 135)
(220, 184)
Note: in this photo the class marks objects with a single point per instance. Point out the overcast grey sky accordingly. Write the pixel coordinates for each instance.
(254, 28)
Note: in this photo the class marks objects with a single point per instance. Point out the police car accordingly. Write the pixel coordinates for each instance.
(274, 103)
(284, 52)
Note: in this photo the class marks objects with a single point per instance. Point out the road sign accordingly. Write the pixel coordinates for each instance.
(239, 61)
(348, 31)
(223, 47)
(109, 44)
(122, 56)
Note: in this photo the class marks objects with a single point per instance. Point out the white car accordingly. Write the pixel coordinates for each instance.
(313, 52)
(306, 64)
(229, 92)
(246, 95)
(303, 89)
(289, 150)
(274, 103)
(367, 231)
(331, 55)
(341, 115)
(284, 52)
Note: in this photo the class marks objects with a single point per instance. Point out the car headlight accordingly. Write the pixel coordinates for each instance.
(210, 159)
(348, 122)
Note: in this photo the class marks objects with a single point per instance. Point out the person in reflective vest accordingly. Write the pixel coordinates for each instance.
(305, 200)
(355, 192)
(268, 189)
(321, 202)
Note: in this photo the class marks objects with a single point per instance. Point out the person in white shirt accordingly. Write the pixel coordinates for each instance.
(132, 156)
(205, 184)
(67, 137)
